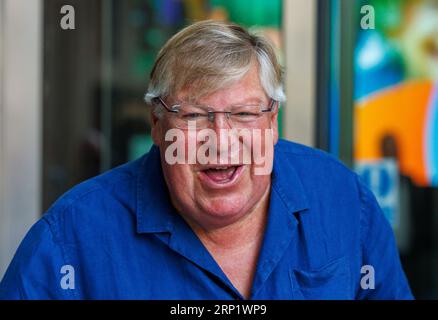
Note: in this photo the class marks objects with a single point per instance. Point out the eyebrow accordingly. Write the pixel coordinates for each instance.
(246, 101)
(250, 100)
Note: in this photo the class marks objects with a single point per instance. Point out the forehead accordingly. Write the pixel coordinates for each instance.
(247, 89)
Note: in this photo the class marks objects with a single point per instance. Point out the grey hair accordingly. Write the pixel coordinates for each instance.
(210, 55)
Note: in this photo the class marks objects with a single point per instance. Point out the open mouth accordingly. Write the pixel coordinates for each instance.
(221, 175)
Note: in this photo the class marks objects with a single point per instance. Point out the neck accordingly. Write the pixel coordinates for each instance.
(236, 247)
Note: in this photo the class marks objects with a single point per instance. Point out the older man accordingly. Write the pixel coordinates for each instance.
(202, 215)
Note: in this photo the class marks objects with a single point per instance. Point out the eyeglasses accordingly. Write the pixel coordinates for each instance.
(239, 116)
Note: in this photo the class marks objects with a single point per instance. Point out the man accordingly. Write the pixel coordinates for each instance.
(202, 215)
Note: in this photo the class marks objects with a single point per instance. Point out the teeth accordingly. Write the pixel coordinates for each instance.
(220, 168)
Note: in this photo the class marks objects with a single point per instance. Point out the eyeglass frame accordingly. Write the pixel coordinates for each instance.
(210, 112)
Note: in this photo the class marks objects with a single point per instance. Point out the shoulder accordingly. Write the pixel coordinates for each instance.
(318, 167)
(78, 224)
(331, 189)
(296, 149)
(117, 178)
(98, 201)
(312, 163)
(335, 187)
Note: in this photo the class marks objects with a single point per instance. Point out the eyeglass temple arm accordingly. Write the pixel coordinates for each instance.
(161, 101)
(271, 106)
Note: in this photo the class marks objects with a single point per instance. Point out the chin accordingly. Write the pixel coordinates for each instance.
(225, 208)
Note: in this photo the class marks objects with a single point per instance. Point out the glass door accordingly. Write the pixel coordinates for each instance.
(378, 103)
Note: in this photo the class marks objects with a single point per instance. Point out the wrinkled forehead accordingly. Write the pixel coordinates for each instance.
(246, 89)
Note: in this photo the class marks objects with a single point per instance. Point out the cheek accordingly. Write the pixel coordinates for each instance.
(180, 180)
(259, 181)
(274, 126)
(156, 134)
(262, 144)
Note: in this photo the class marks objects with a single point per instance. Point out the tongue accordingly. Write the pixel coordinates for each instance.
(220, 175)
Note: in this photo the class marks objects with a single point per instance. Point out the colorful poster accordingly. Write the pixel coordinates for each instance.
(396, 89)
(382, 177)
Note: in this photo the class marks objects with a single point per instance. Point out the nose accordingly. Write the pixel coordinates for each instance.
(220, 120)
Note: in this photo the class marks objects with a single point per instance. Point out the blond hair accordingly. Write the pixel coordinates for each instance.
(210, 55)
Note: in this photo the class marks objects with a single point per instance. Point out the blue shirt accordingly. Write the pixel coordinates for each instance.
(120, 238)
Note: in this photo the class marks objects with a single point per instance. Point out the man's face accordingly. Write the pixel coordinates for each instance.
(216, 194)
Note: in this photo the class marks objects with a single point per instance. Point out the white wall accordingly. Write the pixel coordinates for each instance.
(299, 25)
(20, 121)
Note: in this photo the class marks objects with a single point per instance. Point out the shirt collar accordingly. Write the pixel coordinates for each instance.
(154, 208)
(155, 212)
(288, 184)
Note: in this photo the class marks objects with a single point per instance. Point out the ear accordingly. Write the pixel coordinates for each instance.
(274, 123)
(156, 128)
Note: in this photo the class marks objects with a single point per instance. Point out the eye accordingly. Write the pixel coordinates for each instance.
(192, 115)
(245, 114)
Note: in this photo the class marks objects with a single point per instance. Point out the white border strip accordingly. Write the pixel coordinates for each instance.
(20, 133)
(299, 30)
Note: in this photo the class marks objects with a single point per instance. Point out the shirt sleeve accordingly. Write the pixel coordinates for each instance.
(379, 253)
(35, 270)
